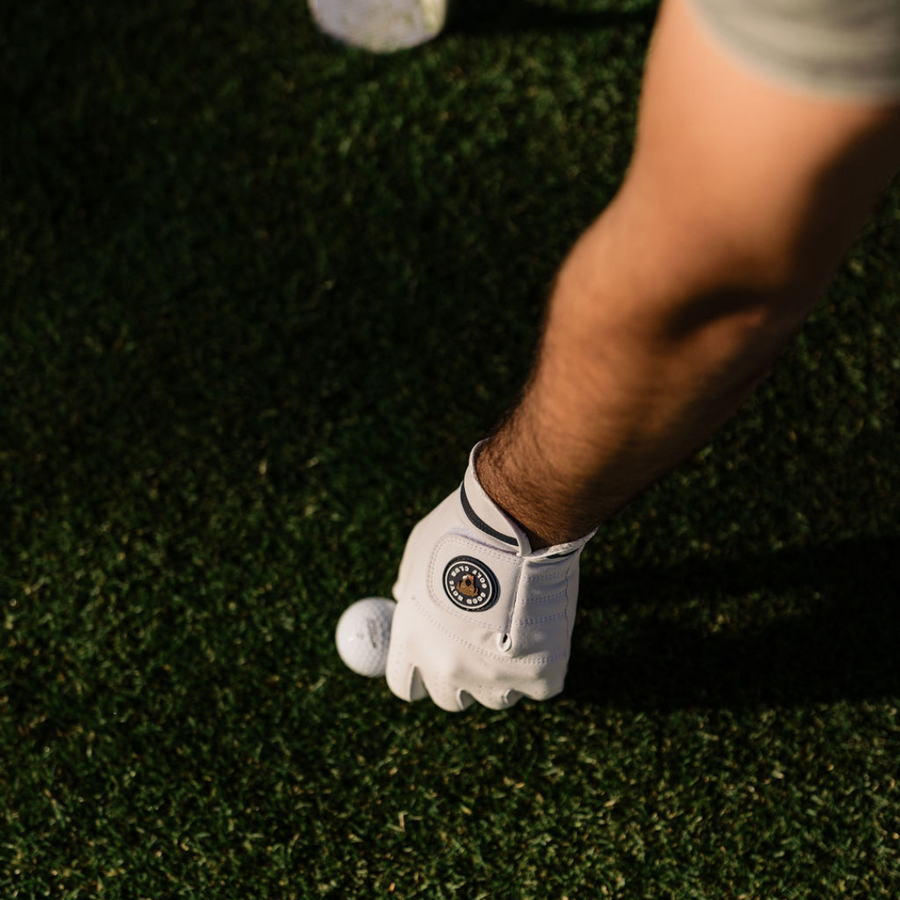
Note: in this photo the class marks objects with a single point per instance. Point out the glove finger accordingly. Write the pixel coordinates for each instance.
(447, 697)
(512, 698)
(405, 681)
(403, 676)
(498, 700)
(417, 689)
(465, 699)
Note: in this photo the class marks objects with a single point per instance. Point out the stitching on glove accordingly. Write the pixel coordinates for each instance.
(541, 620)
(542, 600)
(551, 576)
(510, 613)
(466, 544)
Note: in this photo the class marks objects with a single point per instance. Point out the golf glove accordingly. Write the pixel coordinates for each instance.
(480, 616)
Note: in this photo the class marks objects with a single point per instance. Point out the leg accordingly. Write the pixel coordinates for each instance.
(741, 200)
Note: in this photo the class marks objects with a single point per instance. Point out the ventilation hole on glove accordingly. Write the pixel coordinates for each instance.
(504, 642)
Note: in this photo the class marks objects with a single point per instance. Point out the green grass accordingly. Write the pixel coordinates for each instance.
(260, 295)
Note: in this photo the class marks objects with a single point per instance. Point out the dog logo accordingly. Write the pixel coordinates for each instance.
(470, 585)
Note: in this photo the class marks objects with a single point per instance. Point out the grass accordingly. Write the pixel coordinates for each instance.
(260, 294)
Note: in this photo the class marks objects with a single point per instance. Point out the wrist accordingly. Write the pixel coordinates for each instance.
(513, 498)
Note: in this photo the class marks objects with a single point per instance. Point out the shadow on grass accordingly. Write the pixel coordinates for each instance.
(516, 16)
(846, 649)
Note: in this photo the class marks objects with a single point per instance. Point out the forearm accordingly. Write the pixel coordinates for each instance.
(639, 364)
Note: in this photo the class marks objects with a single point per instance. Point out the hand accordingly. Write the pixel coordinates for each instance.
(480, 616)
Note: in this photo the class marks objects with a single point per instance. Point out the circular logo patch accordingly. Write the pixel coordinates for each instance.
(470, 585)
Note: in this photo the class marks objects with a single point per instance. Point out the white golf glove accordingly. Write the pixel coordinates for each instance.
(479, 616)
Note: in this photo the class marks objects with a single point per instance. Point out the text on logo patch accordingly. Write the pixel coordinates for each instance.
(469, 584)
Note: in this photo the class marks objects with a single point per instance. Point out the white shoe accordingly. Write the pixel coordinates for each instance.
(381, 26)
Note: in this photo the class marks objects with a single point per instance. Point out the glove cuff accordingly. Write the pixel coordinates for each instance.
(488, 518)
(484, 515)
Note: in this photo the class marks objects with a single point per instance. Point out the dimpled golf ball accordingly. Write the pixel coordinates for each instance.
(363, 634)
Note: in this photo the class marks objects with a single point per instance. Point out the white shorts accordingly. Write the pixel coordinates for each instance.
(842, 48)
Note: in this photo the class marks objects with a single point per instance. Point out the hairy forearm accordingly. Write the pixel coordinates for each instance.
(638, 365)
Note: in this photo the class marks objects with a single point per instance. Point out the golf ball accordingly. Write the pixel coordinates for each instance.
(363, 634)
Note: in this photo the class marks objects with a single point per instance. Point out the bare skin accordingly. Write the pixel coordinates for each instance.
(741, 200)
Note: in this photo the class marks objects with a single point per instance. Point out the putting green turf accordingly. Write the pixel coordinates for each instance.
(259, 297)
